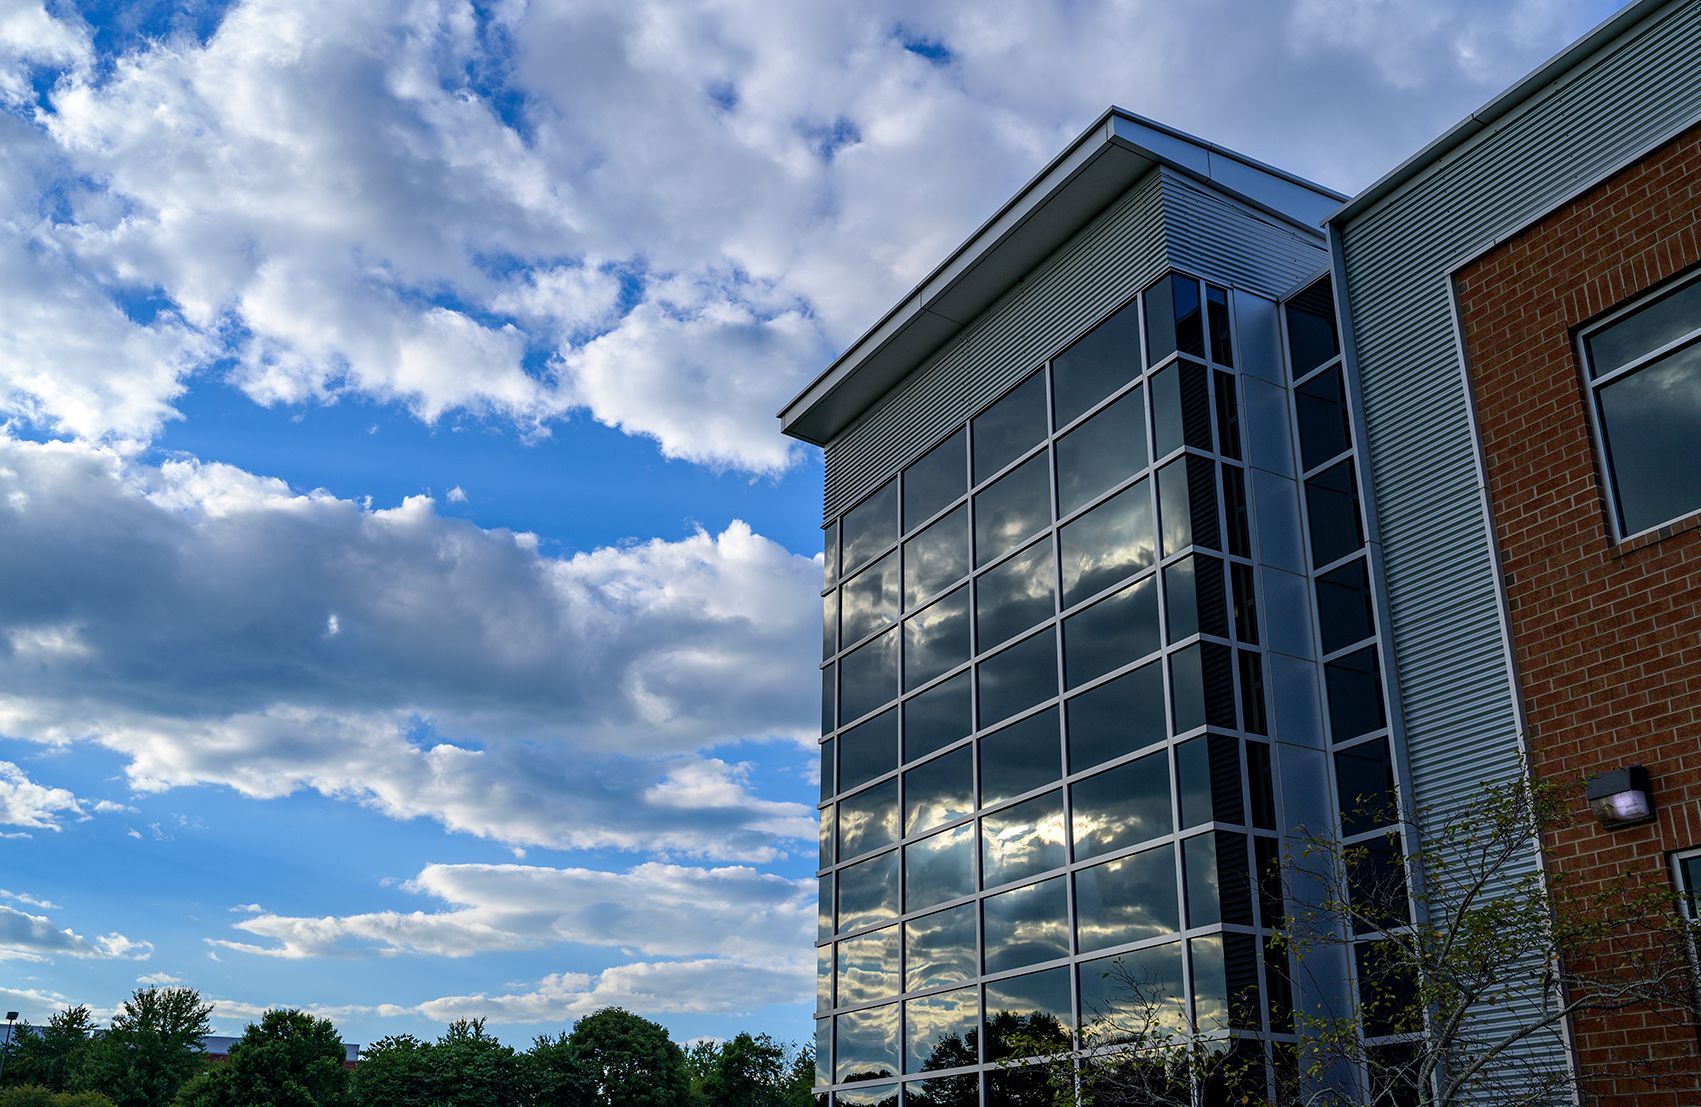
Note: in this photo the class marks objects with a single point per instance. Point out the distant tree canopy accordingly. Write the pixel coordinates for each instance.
(152, 1057)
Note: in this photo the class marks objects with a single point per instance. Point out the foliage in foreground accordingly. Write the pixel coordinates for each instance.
(151, 1057)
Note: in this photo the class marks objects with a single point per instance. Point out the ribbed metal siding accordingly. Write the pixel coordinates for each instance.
(1460, 716)
(1163, 220)
(1215, 237)
(1107, 262)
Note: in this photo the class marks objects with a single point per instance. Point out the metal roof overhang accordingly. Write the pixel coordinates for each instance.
(1095, 169)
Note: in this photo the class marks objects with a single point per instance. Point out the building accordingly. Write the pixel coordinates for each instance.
(1189, 503)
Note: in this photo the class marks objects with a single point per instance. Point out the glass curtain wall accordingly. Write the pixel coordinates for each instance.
(1045, 770)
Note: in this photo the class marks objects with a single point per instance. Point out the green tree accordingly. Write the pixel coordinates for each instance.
(55, 1056)
(746, 1072)
(628, 1061)
(470, 1068)
(153, 1047)
(287, 1059)
(394, 1072)
(799, 1088)
(36, 1095)
(551, 1073)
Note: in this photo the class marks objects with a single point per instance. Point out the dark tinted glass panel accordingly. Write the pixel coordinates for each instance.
(1106, 544)
(1116, 630)
(1395, 1074)
(823, 1051)
(1126, 900)
(868, 967)
(1244, 603)
(1311, 328)
(1376, 883)
(1260, 786)
(1028, 1014)
(1173, 319)
(829, 718)
(868, 750)
(1026, 926)
(1020, 1086)
(886, 1095)
(936, 639)
(1101, 453)
(1225, 984)
(1208, 775)
(1387, 988)
(868, 892)
(939, 949)
(1355, 694)
(1122, 806)
(1194, 598)
(1202, 686)
(1017, 506)
(1645, 330)
(829, 624)
(824, 978)
(1117, 717)
(1021, 757)
(1331, 505)
(829, 767)
(1016, 595)
(1320, 405)
(1010, 427)
(1228, 416)
(1253, 717)
(868, 676)
(941, 1031)
(1099, 363)
(868, 1045)
(868, 819)
(1217, 316)
(936, 557)
(1343, 606)
(1181, 408)
(825, 828)
(1187, 504)
(937, 717)
(824, 907)
(939, 868)
(1017, 678)
(870, 599)
(870, 527)
(1218, 878)
(1651, 420)
(1364, 781)
(1023, 840)
(938, 791)
(1267, 875)
(962, 1090)
(1134, 995)
(1234, 511)
(829, 555)
(939, 477)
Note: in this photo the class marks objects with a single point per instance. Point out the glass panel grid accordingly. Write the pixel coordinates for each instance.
(1112, 717)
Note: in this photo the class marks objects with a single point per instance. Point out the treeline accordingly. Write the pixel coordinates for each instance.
(151, 1056)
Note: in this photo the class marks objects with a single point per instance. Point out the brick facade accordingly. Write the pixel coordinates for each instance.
(1606, 635)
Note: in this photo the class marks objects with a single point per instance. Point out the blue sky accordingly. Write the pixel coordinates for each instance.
(406, 596)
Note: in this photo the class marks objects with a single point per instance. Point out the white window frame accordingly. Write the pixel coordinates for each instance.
(1593, 385)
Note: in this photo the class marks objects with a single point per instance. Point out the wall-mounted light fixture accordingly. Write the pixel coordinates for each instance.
(1622, 797)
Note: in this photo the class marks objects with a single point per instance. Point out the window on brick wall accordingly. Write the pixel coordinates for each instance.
(1643, 365)
(1686, 869)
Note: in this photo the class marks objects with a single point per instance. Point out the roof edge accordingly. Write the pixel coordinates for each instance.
(1524, 90)
(1107, 157)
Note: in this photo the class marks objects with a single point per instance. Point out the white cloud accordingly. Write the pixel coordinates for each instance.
(709, 986)
(25, 803)
(26, 937)
(28, 900)
(537, 700)
(654, 909)
(668, 215)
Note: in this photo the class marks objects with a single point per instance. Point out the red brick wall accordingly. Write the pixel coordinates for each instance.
(1607, 636)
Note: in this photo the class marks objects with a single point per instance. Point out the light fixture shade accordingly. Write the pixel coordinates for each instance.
(1621, 797)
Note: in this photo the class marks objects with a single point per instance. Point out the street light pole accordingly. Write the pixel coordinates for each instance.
(11, 1032)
